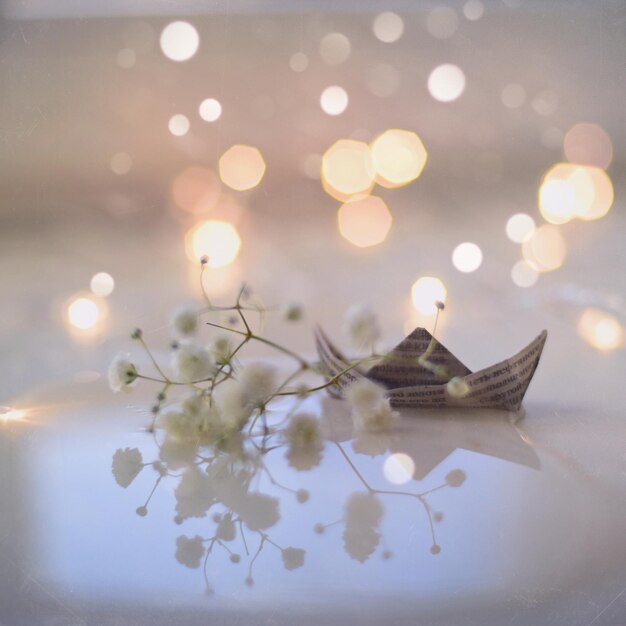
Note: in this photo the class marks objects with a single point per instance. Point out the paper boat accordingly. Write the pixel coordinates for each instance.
(501, 386)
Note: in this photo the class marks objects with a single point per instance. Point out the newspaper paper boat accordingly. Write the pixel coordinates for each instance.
(501, 386)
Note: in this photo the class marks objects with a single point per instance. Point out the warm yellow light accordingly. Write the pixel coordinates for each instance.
(601, 330)
(102, 284)
(334, 100)
(388, 27)
(241, 167)
(398, 157)
(602, 194)
(83, 313)
(446, 82)
(520, 227)
(467, 257)
(196, 189)
(178, 125)
(334, 48)
(179, 41)
(426, 291)
(398, 468)
(545, 250)
(347, 169)
(588, 144)
(364, 221)
(523, 275)
(210, 110)
(11, 414)
(217, 240)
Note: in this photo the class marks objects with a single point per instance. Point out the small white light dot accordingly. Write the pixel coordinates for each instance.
(398, 468)
(335, 48)
(523, 275)
(83, 313)
(446, 82)
(179, 41)
(178, 125)
(473, 10)
(210, 110)
(102, 284)
(334, 100)
(388, 27)
(513, 96)
(121, 163)
(299, 62)
(467, 257)
(520, 227)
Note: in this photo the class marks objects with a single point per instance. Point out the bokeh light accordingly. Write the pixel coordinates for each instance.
(241, 167)
(84, 312)
(588, 144)
(523, 275)
(121, 163)
(571, 191)
(442, 22)
(513, 96)
(545, 103)
(11, 414)
(179, 41)
(216, 239)
(364, 221)
(545, 251)
(347, 169)
(398, 157)
(473, 10)
(600, 330)
(467, 257)
(102, 284)
(298, 62)
(426, 291)
(334, 100)
(178, 125)
(388, 27)
(210, 110)
(520, 227)
(334, 48)
(398, 468)
(446, 82)
(196, 190)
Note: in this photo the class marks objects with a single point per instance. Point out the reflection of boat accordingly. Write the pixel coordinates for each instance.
(409, 383)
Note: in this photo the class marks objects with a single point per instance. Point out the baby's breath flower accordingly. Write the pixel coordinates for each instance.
(292, 312)
(220, 349)
(361, 326)
(370, 408)
(457, 387)
(303, 431)
(231, 405)
(185, 321)
(258, 382)
(127, 463)
(192, 362)
(293, 558)
(180, 426)
(122, 373)
(189, 551)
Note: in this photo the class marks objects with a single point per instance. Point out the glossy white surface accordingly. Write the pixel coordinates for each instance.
(532, 535)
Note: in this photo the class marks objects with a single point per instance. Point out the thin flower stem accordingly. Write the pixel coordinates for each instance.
(154, 362)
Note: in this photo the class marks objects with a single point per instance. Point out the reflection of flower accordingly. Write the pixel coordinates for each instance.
(122, 373)
(127, 463)
(455, 478)
(305, 442)
(293, 558)
(370, 408)
(363, 515)
(189, 551)
(259, 511)
(194, 494)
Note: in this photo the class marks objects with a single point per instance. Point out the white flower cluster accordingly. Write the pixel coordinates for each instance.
(361, 326)
(371, 410)
(122, 373)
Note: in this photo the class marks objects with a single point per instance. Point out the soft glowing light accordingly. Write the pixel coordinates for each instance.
(178, 125)
(442, 22)
(545, 103)
(311, 166)
(196, 189)
(473, 10)
(467, 257)
(382, 80)
(588, 144)
(126, 58)
(398, 468)
(11, 414)
(520, 227)
(388, 27)
(83, 313)
(523, 275)
(179, 41)
(102, 284)
(545, 250)
(298, 62)
(398, 157)
(121, 163)
(334, 100)
(569, 191)
(513, 96)
(218, 240)
(242, 167)
(426, 291)
(334, 48)
(364, 221)
(600, 330)
(210, 110)
(347, 169)
(446, 82)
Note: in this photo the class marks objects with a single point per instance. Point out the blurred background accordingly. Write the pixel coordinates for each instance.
(326, 153)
